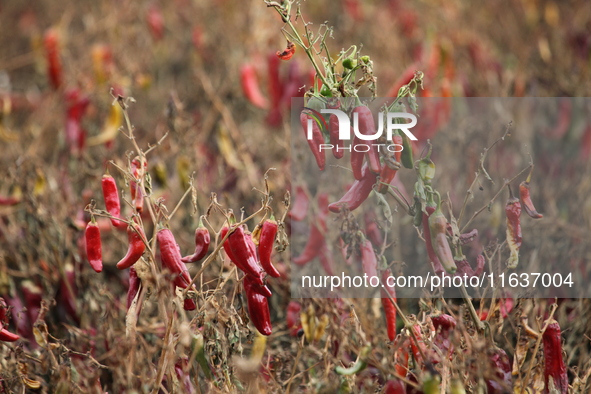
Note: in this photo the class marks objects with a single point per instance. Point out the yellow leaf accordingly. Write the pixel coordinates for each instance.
(111, 127)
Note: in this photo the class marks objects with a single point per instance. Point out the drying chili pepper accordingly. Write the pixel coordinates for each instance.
(394, 387)
(171, 259)
(356, 158)
(406, 76)
(357, 194)
(390, 169)
(437, 229)
(258, 308)
(137, 193)
(7, 336)
(255, 286)
(266, 242)
(94, 252)
(293, 321)
(372, 229)
(250, 87)
(554, 366)
(389, 308)
(368, 259)
(76, 105)
(444, 325)
(528, 205)
(501, 366)
(337, 144)
(317, 139)
(136, 246)
(513, 212)
(134, 286)
(316, 238)
(287, 52)
(111, 196)
(274, 117)
(240, 253)
(54, 66)
(155, 22)
(326, 260)
(299, 209)
(202, 240)
(181, 369)
(366, 126)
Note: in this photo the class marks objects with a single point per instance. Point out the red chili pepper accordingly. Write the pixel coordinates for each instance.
(356, 159)
(136, 246)
(258, 309)
(554, 366)
(171, 259)
(528, 205)
(7, 336)
(137, 194)
(94, 252)
(181, 368)
(357, 194)
(111, 196)
(202, 241)
(252, 283)
(293, 318)
(366, 126)
(406, 76)
(389, 308)
(274, 117)
(337, 144)
(326, 260)
(9, 200)
(394, 387)
(155, 22)
(437, 228)
(317, 138)
(134, 286)
(299, 209)
(316, 237)
(250, 87)
(444, 325)
(240, 253)
(266, 242)
(390, 169)
(287, 52)
(372, 231)
(76, 104)
(513, 212)
(368, 259)
(54, 66)
(500, 364)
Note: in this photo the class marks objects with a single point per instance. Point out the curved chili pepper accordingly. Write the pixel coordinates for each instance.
(134, 286)
(390, 169)
(389, 308)
(316, 237)
(250, 87)
(54, 66)
(366, 126)
(240, 253)
(253, 284)
(288, 52)
(358, 192)
(326, 259)
(258, 308)
(513, 212)
(299, 209)
(528, 205)
(76, 103)
(202, 241)
(333, 130)
(317, 138)
(274, 117)
(155, 22)
(171, 258)
(266, 242)
(94, 252)
(554, 366)
(368, 259)
(437, 228)
(111, 196)
(5, 335)
(136, 246)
